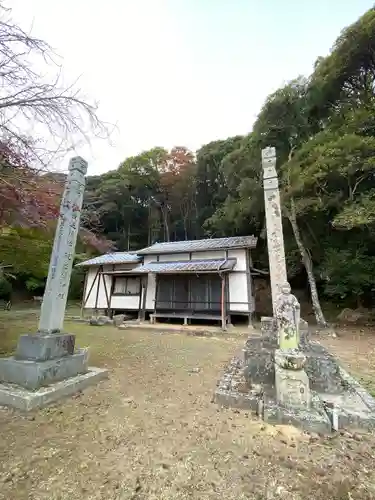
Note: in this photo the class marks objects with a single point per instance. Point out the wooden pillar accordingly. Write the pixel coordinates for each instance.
(97, 289)
(83, 302)
(144, 289)
(106, 295)
(223, 305)
(249, 287)
(156, 296)
(227, 298)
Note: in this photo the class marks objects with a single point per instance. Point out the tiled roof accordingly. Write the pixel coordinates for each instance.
(189, 266)
(200, 245)
(112, 258)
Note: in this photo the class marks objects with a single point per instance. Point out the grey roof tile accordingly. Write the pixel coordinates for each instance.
(190, 266)
(112, 258)
(200, 245)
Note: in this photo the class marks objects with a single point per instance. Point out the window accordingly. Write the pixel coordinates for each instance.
(127, 286)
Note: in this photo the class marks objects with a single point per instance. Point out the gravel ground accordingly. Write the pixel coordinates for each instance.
(151, 431)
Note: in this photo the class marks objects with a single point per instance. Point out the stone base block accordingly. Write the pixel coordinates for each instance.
(234, 399)
(43, 347)
(26, 400)
(35, 374)
(292, 387)
(268, 326)
(312, 419)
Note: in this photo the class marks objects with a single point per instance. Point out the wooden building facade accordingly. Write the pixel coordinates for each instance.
(200, 279)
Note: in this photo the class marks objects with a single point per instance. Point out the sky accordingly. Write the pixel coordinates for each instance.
(182, 72)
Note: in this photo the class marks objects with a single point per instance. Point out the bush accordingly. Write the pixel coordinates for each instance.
(5, 289)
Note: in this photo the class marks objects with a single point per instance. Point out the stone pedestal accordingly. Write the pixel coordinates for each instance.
(291, 380)
(33, 374)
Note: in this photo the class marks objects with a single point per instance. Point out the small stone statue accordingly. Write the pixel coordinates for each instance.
(288, 314)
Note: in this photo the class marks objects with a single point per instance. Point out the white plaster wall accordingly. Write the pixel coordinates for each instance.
(89, 297)
(125, 267)
(173, 257)
(102, 297)
(238, 292)
(211, 254)
(151, 290)
(240, 255)
(127, 303)
(149, 258)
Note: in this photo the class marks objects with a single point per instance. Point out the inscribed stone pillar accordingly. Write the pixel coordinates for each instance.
(275, 239)
(60, 268)
(47, 365)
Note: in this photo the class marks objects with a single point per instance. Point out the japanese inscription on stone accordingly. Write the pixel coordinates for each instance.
(57, 286)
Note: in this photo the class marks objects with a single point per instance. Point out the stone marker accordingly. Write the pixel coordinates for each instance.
(280, 374)
(275, 238)
(60, 269)
(48, 358)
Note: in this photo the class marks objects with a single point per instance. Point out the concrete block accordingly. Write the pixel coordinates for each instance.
(292, 387)
(43, 347)
(26, 400)
(312, 419)
(35, 374)
(234, 399)
(268, 326)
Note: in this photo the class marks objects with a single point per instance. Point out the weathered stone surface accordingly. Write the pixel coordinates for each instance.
(35, 374)
(323, 370)
(304, 335)
(301, 383)
(258, 356)
(43, 347)
(56, 291)
(291, 359)
(312, 419)
(292, 387)
(100, 321)
(268, 326)
(275, 238)
(118, 319)
(48, 357)
(27, 400)
(287, 318)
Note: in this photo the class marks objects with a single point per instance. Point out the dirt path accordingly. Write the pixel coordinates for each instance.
(151, 432)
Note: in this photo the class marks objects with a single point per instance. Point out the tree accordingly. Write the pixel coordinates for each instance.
(27, 96)
(346, 77)
(211, 185)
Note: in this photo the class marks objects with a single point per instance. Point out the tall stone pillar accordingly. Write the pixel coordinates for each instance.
(275, 238)
(47, 365)
(60, 269)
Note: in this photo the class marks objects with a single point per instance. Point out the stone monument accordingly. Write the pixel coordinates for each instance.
(282, 376)
(275, 238)
(46, 365)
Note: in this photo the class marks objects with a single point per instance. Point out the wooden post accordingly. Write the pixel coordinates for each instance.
(145, 288)
(223, 305)
(227, 298)
(106, 296)
(97, 289)
(92, 286)
(83, 302)
(155, 298)
(249, 287)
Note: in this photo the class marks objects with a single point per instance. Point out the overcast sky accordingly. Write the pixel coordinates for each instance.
(182, 72)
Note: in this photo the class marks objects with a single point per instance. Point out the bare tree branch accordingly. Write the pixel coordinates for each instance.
(60, 118)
